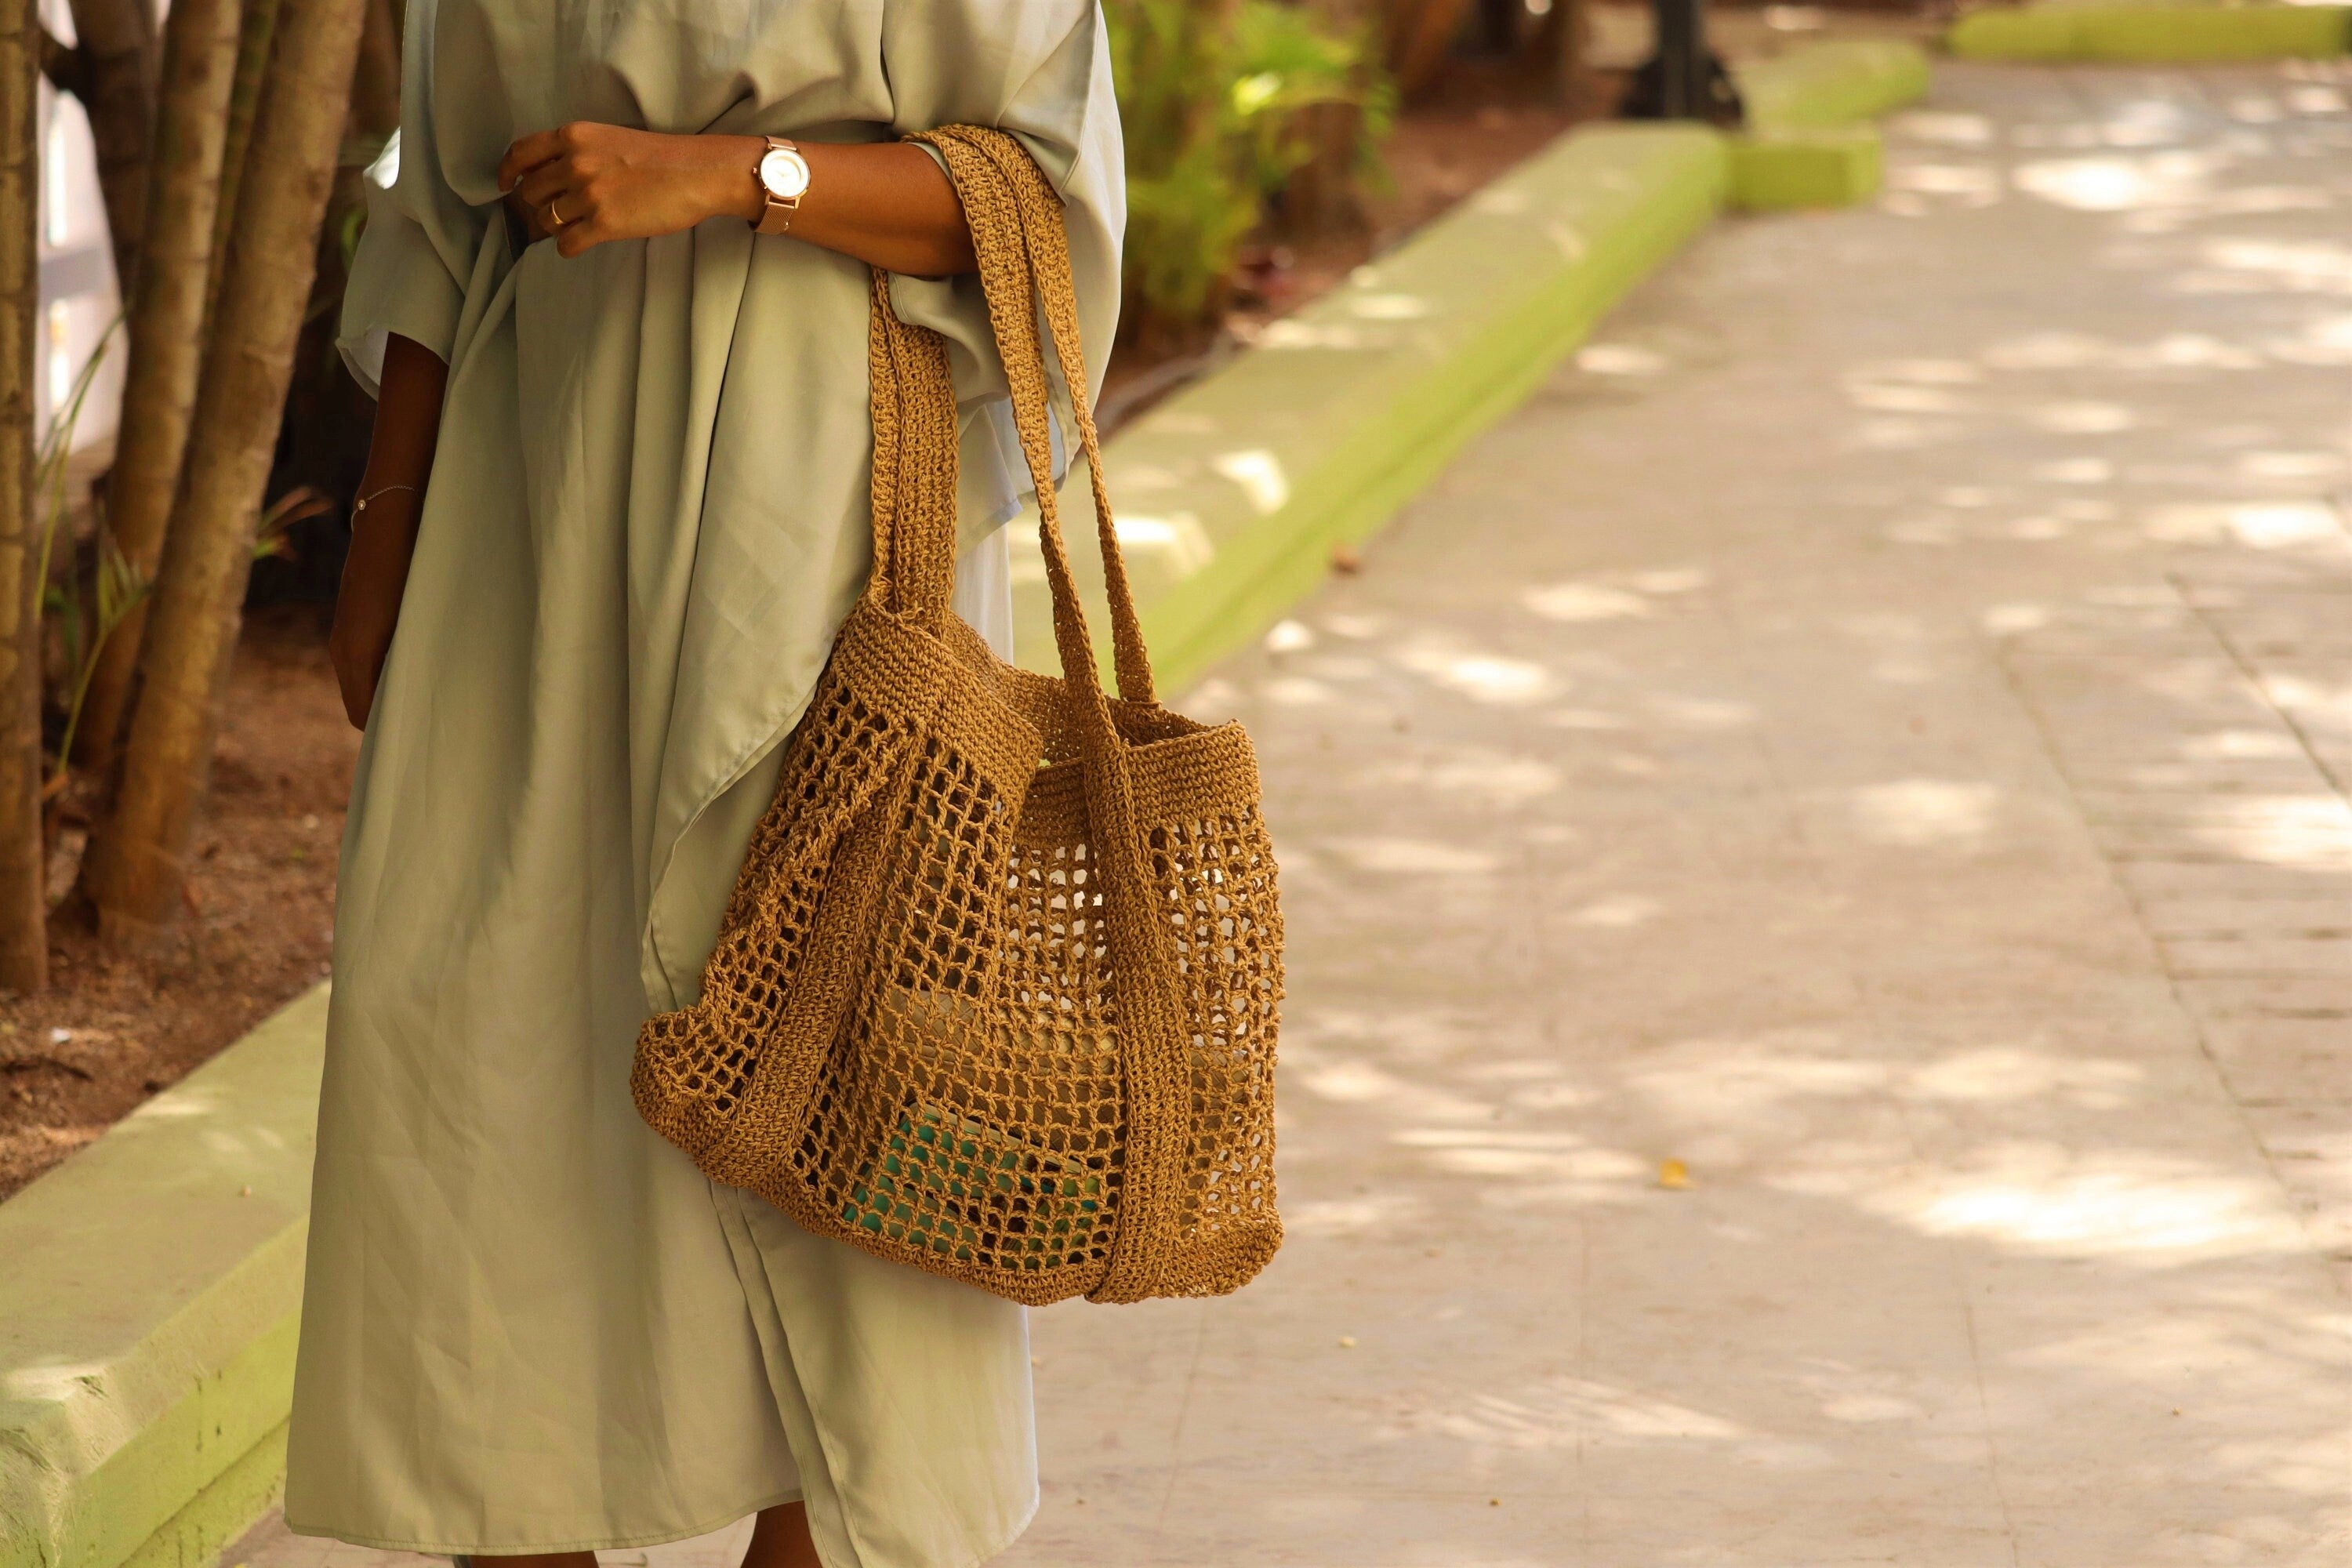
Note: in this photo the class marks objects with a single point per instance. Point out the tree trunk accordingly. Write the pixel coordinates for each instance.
(139, 856)
(1421, 36)
(1324, 196)
(1560, 46)
(116, 41)
(375, 87)
(24, 903)
(257, 30)
(167, 334)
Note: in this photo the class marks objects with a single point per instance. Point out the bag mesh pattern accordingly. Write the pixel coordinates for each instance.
(996, 995)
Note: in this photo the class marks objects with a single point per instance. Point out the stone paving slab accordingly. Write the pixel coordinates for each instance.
(1813, 859)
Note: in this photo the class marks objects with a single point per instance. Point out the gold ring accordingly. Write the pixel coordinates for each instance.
(554, 219)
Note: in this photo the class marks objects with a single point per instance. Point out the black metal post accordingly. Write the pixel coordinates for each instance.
(1682, 59)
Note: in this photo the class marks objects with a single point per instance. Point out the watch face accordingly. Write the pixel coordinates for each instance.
(785, 173)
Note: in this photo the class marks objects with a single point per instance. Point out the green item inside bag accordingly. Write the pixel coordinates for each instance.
(966, 1189)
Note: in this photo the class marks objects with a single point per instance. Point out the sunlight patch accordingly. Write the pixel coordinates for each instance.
(2258, 525)
(1996, 1074)
(1413, 856)
(1585, 602)
(1483, 677)
(1624, 911)
(1259, 474)
(1559, 1412)
(2039, 1198)
(1923, 812)
(1178, 540)
(1619, 359)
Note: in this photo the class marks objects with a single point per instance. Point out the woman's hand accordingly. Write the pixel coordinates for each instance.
(884, 202)
(585, 183)
(367, 605)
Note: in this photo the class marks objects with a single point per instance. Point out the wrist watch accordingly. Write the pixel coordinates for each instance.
(784, 176)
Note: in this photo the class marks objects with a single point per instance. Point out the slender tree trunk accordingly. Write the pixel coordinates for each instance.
(256, 30)
(167, 332)
(376, 86)
(1323, 196)
(1421, 35)
(329, 418)
(140, 853)
(116, 72)
(24, 903)
(1560, 46)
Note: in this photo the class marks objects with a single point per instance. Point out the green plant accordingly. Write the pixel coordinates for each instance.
(85, 620)
(88, 612)
(1214, 96)
(1291, 62)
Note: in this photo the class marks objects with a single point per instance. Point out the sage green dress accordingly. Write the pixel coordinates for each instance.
(530, 1325)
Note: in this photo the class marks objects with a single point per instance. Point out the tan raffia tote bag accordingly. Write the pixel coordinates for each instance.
(996, 991)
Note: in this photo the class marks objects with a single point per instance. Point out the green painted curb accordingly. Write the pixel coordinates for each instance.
(2153, 33)
(148, 1315)
(1834, 167)
(1810, 141)
(1835, 84)
(197, 1535)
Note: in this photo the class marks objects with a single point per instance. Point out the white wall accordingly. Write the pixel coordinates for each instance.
(79, 298)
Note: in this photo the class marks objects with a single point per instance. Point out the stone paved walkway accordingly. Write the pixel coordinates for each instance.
(1821, 884)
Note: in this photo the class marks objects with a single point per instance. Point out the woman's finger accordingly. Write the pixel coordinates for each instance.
(528, 153)
(576, 236)
(580, 228)
(544, 185)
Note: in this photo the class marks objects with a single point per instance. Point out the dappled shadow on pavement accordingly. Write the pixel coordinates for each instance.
(1820, 893)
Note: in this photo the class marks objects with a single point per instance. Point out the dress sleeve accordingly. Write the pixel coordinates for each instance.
(1041, 71)
(421, 240)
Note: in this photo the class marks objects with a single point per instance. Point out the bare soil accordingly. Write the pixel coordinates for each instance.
(113, 1030)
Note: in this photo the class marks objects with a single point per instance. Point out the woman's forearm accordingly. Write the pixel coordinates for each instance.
(384, 520)
(886, 203)
(407, 416)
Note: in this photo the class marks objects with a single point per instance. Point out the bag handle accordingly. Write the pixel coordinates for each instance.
(914, 477)
(1025, 260)
(1024, 251)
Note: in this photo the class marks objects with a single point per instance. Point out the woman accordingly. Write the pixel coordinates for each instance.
(531, 1327)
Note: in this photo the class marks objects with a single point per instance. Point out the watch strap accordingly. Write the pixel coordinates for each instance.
(777, 215)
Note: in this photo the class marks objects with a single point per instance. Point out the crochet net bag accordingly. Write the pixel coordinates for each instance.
(996, 991)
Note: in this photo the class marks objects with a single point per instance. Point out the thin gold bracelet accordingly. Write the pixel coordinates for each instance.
(361, 505)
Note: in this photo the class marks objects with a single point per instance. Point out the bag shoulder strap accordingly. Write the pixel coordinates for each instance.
(1025, 262)
(914, 477)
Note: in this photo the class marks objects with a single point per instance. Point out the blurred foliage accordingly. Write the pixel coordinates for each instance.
(1215, 96)
(82, 603)
(88, 584)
